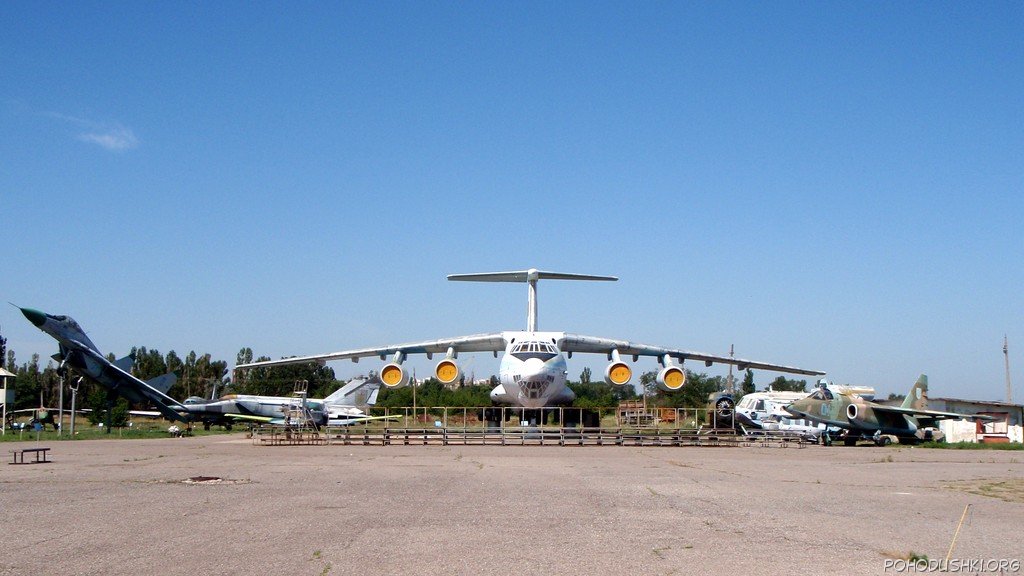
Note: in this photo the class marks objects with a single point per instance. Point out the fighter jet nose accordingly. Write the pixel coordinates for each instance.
(34, 316)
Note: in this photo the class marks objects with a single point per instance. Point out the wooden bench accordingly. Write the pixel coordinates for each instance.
(40, 453)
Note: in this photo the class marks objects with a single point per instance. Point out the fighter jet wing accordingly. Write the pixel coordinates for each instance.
(255, 418)
(794, 413)
(358, 419)
(590, 344)
(475, 343)
(931, 414)
(164, 403)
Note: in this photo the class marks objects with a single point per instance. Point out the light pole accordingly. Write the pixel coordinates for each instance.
(1006, 355)
(60, 404)
(74, 393)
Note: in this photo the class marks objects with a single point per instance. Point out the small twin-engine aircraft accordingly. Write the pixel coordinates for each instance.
(533, 370)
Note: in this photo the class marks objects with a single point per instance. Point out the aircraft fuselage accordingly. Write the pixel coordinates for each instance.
(533, 371)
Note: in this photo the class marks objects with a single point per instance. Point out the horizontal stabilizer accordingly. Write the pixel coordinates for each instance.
(525, 276)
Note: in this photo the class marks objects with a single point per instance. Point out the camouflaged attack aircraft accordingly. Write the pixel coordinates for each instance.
(533, 370)
(859, 418)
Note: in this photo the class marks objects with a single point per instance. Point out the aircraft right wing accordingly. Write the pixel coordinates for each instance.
(494, 342)
(578, 343)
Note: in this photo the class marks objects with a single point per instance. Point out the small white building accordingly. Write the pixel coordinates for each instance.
(1008, 425)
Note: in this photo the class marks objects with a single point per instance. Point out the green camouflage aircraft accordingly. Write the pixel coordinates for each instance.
(858, 418)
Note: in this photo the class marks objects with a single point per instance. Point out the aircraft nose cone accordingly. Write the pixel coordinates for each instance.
(533, 367)
(34, 316)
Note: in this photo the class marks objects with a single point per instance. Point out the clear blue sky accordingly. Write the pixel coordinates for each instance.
(834, 185)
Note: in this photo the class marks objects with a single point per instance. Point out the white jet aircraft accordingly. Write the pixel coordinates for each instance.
(533, 369)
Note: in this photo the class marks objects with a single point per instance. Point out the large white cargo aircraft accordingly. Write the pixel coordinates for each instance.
(533, 369)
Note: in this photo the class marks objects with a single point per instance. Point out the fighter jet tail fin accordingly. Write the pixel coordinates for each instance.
(163, 383)
(358, 392)
(126, 363)
(918, 397)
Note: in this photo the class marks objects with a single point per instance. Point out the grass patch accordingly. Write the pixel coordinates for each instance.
(1008, 489)
(89, 432)
(972, 445)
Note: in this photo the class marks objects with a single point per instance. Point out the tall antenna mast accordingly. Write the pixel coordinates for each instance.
(1006, 356)
(732, 388)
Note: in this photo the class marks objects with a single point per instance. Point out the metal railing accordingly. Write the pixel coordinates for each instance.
(558, 426)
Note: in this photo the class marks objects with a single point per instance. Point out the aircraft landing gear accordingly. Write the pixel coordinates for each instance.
(492, 418)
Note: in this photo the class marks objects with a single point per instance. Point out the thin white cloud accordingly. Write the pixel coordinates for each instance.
(111, 136)
(114, 138)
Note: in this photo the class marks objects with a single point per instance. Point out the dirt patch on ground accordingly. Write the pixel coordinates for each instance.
(1008, 489)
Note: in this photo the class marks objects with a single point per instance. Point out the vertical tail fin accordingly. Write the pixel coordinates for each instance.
(163, 383)
(358, 392)
(917, 399)
(125, 363)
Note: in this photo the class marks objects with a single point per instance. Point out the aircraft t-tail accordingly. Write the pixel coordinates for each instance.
(79, 353)
(533, 369)
(860, 418)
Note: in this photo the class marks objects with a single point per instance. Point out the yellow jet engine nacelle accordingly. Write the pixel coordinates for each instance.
(447, 371)
(618, 374)
(393, 375)
(671, 378)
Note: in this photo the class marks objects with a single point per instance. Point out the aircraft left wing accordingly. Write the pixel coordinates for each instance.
(164, 403)
(476, 343)
(592, 345)
(929, 414)
(281, 420)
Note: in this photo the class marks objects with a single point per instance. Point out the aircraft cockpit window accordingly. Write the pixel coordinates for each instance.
(527, 350)
(828, 393)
